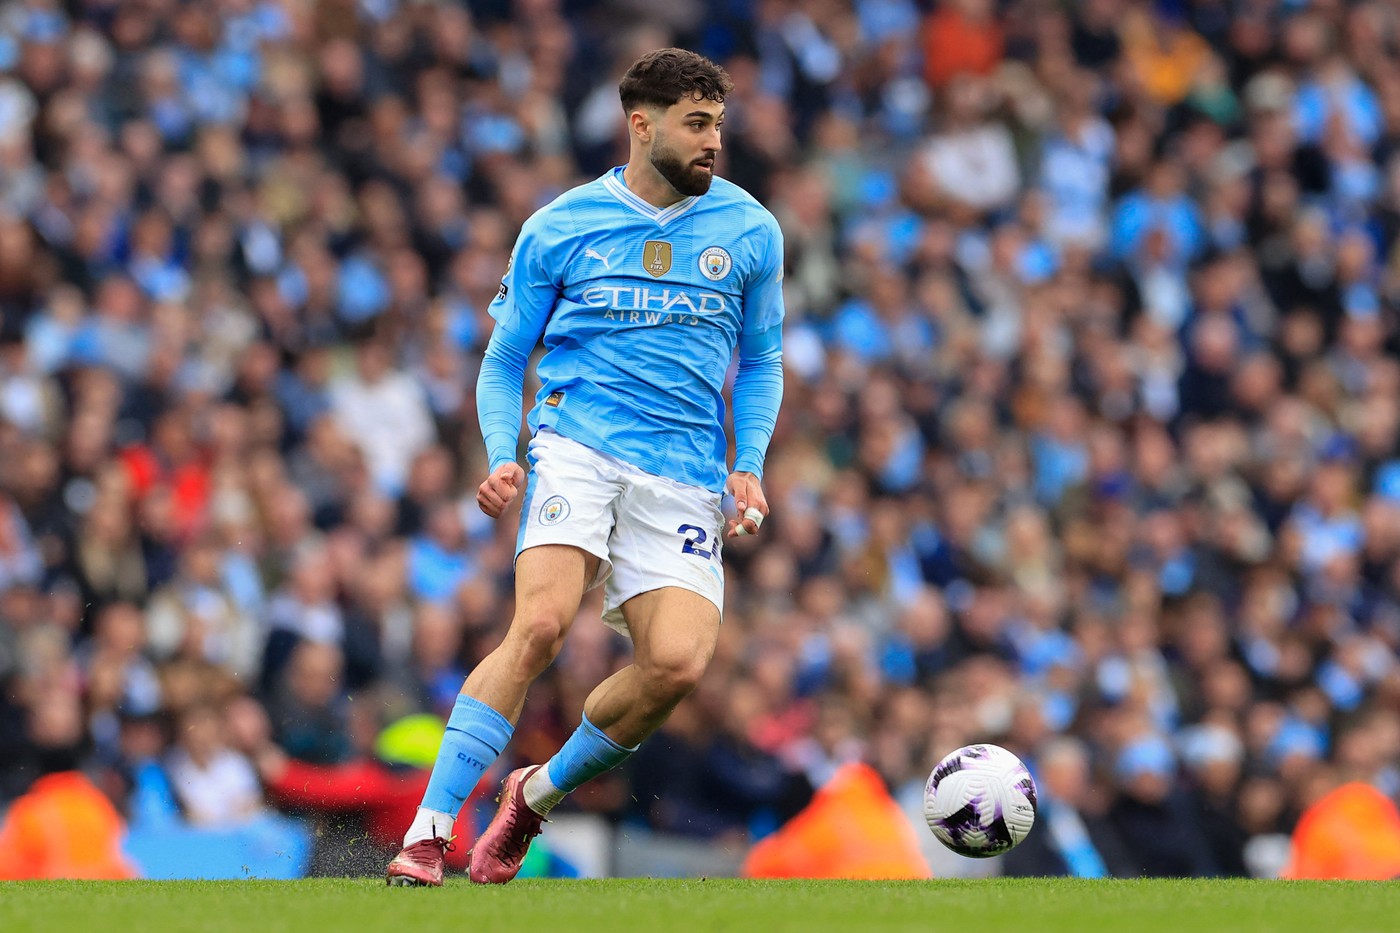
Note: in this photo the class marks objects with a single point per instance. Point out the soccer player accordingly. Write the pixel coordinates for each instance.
(641, 284)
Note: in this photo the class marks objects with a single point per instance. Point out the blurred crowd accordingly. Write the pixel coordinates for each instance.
(1090, 446)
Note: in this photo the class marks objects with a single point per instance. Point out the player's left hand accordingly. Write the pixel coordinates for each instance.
(750, 505)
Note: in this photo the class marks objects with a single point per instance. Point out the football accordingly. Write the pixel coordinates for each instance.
(980, 801)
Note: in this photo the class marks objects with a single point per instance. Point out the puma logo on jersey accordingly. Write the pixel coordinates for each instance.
(592, 253)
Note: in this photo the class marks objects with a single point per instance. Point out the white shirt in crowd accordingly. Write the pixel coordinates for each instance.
(224, 793)
(976, 166)
(388, 419)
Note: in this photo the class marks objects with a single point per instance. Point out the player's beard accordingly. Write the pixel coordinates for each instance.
(685, 177)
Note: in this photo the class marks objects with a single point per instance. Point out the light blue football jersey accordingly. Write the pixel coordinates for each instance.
(640, 309)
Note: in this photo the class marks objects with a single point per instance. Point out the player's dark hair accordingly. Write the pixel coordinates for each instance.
(663, 77)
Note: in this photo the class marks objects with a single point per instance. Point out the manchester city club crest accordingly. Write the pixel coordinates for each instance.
(715, 263)
(554, 510)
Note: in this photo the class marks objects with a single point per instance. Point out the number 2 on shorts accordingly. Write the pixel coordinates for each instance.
(697, 537)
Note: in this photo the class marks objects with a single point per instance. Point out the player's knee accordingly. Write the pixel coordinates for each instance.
(539, 635)
(674, 678)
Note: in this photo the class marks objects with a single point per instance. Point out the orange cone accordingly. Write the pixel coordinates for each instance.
(851, 829)
(63, 827)
(1352, 832)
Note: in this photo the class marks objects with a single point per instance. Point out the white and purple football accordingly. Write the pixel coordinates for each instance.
(980, 801)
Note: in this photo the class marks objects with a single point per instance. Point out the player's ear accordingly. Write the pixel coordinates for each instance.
(640, 121)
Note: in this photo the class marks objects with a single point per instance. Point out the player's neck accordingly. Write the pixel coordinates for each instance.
(643, 180)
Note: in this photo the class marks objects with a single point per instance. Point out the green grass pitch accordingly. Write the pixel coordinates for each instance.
(673, 906)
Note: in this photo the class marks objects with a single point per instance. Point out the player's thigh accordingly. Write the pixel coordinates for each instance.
(673, 630)
(550, 580)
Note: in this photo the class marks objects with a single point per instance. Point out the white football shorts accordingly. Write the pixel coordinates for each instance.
(647, 531)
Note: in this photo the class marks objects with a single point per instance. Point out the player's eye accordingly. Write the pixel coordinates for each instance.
(698, 125)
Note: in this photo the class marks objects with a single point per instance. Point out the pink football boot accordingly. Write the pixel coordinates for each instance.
(499, 852)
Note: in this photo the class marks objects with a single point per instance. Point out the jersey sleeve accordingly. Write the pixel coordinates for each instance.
(763, 293)
(528, 289)
(758, 393)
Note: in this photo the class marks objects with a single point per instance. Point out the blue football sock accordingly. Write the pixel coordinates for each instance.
(587, 754)
(476, 736)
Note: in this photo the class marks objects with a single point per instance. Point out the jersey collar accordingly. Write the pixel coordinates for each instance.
(661, 215)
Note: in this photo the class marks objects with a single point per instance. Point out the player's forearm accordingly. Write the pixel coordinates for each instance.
(758, 392)
(498, 390)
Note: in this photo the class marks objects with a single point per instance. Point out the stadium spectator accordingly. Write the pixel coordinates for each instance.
(1074, 839)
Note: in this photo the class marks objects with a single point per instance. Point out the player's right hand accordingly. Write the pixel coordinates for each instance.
(500, 489)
